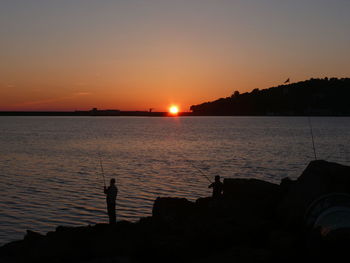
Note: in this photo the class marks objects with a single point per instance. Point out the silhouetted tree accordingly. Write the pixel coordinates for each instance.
(235, 94)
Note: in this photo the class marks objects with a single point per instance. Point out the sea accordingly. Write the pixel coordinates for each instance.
(51, 167)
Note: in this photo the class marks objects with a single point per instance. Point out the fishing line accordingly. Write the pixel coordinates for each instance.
(99, 156)
(195, 167)
(312, 137)
(199, 170)
(102, 171)
(187, 160)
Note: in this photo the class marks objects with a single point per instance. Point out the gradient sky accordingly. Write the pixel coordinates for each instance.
(140, 54)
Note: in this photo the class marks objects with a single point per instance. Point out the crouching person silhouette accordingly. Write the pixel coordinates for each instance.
(217, 188)
(111, 195)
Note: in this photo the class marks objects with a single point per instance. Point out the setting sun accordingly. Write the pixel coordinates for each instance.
(174, 110)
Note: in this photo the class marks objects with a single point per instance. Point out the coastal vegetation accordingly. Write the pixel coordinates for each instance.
(316, 97)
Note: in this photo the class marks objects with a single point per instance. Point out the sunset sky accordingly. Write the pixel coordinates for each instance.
(141, 54)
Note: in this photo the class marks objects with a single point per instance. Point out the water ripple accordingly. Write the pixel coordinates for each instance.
(50, 172)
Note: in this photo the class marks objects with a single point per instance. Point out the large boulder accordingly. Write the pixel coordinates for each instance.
(172, 209)
(250, 199)
(249, 189)
(318, 179)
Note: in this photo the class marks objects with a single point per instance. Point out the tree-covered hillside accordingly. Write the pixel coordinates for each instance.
(310, 97)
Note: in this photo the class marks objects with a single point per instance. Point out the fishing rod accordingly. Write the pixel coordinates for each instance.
(195, 167)
(312, 137)
(102, 171)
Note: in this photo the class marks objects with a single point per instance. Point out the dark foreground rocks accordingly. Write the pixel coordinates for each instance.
(254, 221)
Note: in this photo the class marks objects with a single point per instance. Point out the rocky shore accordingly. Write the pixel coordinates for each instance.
(255, 221)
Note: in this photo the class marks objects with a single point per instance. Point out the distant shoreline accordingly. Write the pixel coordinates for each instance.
(149, 114)
(95, 113)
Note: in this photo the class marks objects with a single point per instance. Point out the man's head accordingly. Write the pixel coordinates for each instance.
(112, 182)
(217, 178)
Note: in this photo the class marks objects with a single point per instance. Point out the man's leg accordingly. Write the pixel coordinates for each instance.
(111, 213)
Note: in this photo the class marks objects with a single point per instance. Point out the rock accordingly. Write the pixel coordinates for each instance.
(240, 254)
(172, 209)
(32, 236)
(319, 178)
(242, 226)
(242, 189)
(250, 199)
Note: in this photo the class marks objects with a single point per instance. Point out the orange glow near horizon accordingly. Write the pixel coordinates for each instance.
(73, 55)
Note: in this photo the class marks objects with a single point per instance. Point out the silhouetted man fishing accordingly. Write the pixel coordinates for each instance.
(217, 187)
(111, 195)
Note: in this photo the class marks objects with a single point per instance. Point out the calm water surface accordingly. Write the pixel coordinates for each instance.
(50, 174)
